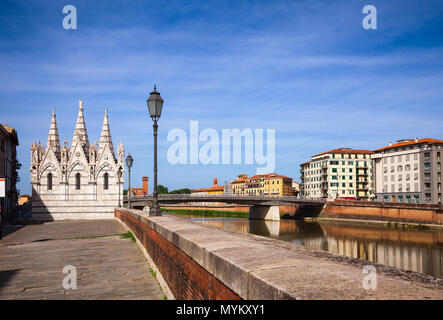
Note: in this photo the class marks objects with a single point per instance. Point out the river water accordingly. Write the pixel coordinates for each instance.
(420, 251)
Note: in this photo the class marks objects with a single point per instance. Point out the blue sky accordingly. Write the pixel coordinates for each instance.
(304, 68)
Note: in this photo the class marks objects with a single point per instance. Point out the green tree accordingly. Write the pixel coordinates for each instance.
(162, 189)
(181, 191)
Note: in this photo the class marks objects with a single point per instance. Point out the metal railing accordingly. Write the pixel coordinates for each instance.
(222, 196)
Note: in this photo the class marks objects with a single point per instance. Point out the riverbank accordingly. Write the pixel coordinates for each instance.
(207, 213)
(285, 216)
(384, 224)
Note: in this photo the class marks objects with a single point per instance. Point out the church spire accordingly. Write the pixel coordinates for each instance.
(80, 133)
(105, 137)
(53, 138)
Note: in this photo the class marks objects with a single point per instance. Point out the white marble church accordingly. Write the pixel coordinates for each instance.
(77, 182)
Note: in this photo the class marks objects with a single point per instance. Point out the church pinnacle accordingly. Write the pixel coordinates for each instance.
(80, 133)
(53, 138)
(105, 137)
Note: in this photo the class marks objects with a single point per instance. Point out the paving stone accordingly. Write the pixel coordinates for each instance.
(107, 267)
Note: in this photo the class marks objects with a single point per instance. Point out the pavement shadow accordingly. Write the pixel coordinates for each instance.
(6, 276)
(6, 229)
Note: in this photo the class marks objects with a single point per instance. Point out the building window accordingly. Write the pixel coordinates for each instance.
(77, 181)
(417, 198)
(427, 165)
(49, 181)
(106, 181)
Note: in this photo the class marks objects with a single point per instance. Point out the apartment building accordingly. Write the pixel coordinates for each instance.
(270, 184)
(8, 169)
(340, 173)
(409, 171)
(238, 185)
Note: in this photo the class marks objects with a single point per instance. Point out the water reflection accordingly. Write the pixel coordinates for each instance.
(419, 251)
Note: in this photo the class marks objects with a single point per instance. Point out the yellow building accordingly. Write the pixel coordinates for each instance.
(23, 199)
(238, 185)
(270, 184)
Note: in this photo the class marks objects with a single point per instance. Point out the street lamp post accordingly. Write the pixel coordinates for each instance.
(155, 105)
(119, 174)
(129, 162)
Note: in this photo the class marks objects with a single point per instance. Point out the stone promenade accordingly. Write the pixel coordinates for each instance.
(32, 259)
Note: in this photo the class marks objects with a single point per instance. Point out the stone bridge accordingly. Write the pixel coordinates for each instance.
(262, 207)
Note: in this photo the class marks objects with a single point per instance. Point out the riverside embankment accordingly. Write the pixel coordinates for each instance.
(195, 261)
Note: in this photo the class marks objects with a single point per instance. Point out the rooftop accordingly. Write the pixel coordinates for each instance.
(345, 151)
(404, 142)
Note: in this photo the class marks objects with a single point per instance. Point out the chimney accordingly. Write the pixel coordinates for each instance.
(145, 185)
(215, 182)
(416, 139)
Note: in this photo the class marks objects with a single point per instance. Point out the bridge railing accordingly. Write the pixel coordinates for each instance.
(220, 197)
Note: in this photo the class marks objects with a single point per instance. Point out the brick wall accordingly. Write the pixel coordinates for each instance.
(186, 278)
(384, 211)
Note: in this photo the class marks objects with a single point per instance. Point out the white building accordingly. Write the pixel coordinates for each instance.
(77, 182)
(409, 171)
(341, 173)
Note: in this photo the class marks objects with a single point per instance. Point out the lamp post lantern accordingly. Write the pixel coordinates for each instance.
(155, 105)
(119, 174)
(129, 162)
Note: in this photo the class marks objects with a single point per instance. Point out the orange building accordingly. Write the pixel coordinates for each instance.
(23, 199)
(211, 190)
(140, 191)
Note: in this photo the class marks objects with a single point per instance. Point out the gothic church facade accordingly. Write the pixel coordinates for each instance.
(77, 182)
